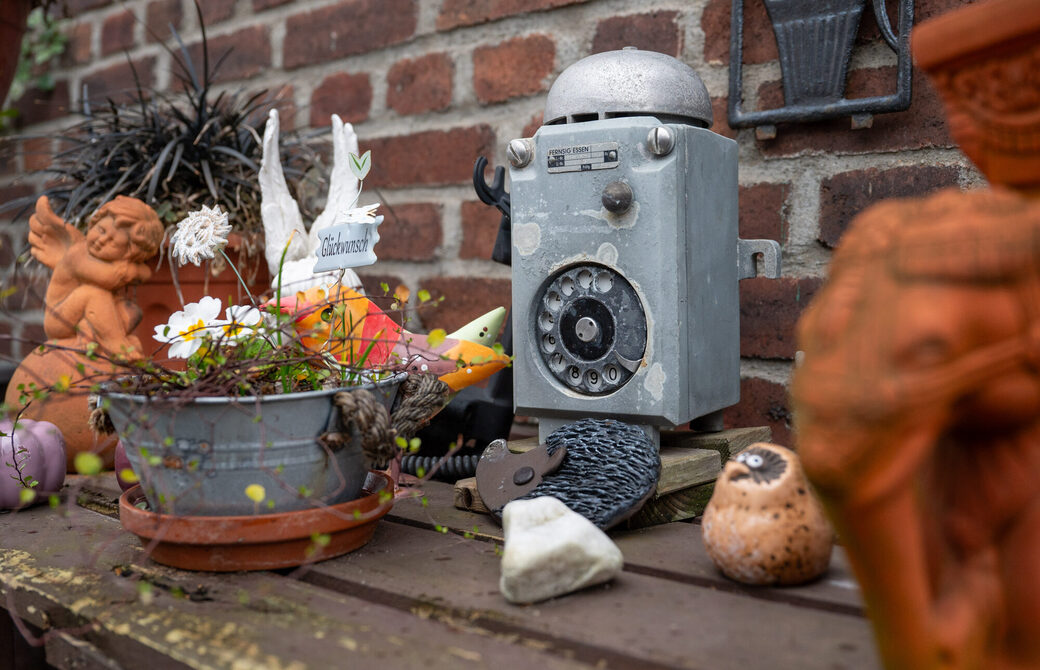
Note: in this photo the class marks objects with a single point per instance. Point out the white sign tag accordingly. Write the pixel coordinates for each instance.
(347, 245)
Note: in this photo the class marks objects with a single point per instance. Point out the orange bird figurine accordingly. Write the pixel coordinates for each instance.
(356, 332)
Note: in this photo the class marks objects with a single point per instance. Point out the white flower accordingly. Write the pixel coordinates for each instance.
(241, 321)
(187, 329)
(200, 235)
(365, 214)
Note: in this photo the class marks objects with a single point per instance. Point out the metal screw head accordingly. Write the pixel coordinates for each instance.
(617, 197)
(520, 153)
(660, 141)
(586, 329)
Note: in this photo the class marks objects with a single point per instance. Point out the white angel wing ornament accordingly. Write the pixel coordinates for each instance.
(281, 218)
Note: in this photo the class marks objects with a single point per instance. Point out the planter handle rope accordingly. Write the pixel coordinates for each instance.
(422, 397)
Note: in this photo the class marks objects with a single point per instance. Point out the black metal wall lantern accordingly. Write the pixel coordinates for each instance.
(815, 39)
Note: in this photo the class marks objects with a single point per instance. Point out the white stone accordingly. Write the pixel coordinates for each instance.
(551, 550)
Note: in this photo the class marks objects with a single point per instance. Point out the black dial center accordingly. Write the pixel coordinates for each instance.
(587, 329)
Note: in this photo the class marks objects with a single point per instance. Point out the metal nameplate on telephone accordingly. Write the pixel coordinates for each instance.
(584, 157)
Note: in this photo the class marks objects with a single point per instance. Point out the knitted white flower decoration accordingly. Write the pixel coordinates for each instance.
(201, 235)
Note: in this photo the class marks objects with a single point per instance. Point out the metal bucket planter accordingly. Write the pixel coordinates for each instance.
(198, 458)
(814, 38)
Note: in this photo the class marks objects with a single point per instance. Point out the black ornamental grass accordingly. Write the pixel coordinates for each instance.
(175, 151)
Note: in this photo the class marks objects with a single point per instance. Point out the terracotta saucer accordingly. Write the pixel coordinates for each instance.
(256, 542)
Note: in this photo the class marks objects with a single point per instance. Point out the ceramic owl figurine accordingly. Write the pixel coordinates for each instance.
(763, 524)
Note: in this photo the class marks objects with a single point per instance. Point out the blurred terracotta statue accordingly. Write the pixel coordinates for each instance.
(918, 400)
(84, 304)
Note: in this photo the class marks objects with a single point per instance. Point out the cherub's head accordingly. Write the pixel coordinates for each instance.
(124, 229)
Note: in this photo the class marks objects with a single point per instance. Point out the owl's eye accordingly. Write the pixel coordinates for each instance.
(326, 314)
(753, 461)
(741, 458)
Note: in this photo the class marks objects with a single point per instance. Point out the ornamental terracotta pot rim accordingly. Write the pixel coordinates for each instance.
(258, 542)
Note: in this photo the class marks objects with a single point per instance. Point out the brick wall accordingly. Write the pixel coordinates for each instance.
(432, 84)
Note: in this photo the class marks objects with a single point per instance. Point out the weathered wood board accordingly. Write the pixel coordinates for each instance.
(82, 575)
(639, 620)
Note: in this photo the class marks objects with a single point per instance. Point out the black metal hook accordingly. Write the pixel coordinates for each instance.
(495, 194)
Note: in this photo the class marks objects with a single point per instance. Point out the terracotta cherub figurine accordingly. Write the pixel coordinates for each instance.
(81, 303)
(84, 304)
(918, 400)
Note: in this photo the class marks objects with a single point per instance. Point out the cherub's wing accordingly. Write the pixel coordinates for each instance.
(343, 185)
(49, 235)
(278, 210)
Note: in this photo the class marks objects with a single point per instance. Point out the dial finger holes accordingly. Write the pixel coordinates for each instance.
(585, 279)
(593, 380)
(554, 301)
(546, 321)
(604, 282)
(548, 343)
(567, 286)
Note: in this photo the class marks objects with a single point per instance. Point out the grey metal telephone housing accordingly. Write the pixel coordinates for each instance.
(625, 252)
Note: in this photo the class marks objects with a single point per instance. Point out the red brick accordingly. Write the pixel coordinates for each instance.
(285, 103)
(923, 10)
(720, 122)
(36, 106)
(349, 95)
(347, 28)
(763, 211)
(465, 298)
(769, 309)
(215, 11)
(655, 31)
(160, 16)
(479, 229)
(239, 55)
(759, 41)
(78, 48)
(409, 232)
(7, 340)
(431, 157)
(259, 5)
(117, 81)
(516, 67)
(12, 192)
(455, 13)
(420, 85)
(923, 125)
(117, 33)
(372, 284)
(533, 125)
(845, 195)
(32, 336)
(8, 158)
(32, 287)
(763, 403)
(37, 153)
(7, 254)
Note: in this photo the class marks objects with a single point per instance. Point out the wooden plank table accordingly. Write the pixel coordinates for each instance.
(422, 594)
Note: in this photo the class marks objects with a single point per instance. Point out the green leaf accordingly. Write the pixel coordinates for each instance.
(87, 463)
(424, 295)
(436, 337)
(360, 165)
